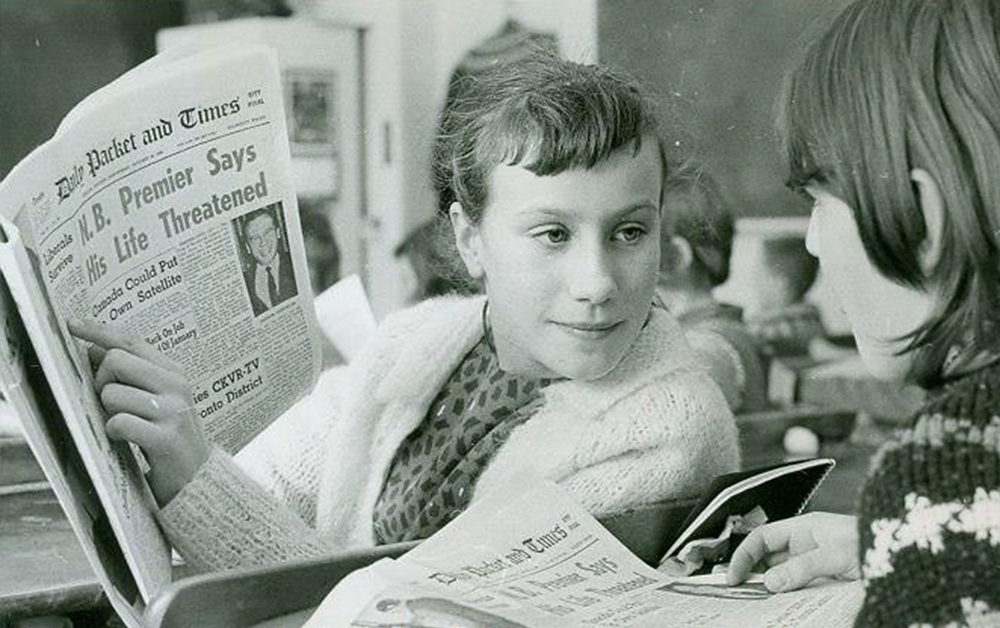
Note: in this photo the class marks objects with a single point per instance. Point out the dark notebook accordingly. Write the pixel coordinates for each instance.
(781, 490)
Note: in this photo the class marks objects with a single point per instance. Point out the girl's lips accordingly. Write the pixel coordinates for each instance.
(589, 330)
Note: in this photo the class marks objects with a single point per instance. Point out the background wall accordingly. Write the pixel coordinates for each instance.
(54, 53)
(445, 31)
(716, 67)
(410, 49)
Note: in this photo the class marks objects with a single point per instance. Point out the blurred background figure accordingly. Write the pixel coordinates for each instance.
(323, 260)
(694, 260)
(786, 323)
(430, 274)
(426, 248)
(322, 252)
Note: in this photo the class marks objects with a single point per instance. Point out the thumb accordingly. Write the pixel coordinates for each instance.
(797, 572)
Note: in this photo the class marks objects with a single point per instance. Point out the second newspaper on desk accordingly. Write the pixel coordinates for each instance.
(153, 209)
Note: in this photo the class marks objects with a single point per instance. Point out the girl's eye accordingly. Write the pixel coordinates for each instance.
(630, 234)
(553, 235)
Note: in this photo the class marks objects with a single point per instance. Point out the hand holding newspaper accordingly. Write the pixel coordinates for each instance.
(538, 559)
(163, 207)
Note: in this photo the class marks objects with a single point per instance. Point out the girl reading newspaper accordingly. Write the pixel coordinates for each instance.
(564, 368)
(892, 127)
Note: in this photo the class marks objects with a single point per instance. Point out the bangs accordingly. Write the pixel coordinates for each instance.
(565, 125)
(543, 114)
(800, 125)
(822, 108)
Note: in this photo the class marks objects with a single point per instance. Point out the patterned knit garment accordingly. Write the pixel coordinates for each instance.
(930, 513)
(435, 469)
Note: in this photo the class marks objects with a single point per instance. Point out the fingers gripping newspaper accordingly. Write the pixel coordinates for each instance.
(163, 206)
(536, 558)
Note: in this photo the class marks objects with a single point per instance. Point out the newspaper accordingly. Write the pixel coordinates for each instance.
(150, 210)
(538, 559)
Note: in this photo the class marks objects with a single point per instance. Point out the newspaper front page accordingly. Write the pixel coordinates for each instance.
(164, 207)
(538, 559)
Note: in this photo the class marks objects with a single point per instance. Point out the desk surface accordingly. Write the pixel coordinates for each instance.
(42, 567)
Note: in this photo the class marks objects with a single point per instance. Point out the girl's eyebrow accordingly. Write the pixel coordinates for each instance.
(641, 206)
(560, 212)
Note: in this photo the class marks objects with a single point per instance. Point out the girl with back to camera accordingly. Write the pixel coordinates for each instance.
(892, 127)
(562, 368)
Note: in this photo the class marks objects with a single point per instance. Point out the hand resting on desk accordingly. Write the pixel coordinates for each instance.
(799, 550)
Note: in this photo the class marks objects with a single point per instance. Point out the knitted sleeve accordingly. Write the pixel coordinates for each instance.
(260, 508)
(222, 519)
(930, 517)
(666, 441)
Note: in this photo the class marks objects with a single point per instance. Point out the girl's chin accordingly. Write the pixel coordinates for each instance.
(566, 357)
(587, 367)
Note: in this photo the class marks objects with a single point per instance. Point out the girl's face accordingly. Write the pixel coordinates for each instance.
(570, 262)
(880, 310)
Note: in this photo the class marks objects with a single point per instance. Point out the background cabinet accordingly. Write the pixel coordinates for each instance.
(321, 72)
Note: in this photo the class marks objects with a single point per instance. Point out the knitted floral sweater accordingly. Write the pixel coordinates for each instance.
(930, 513)
(656, 427)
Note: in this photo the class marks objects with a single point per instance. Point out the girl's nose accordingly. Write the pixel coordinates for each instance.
(591, 275)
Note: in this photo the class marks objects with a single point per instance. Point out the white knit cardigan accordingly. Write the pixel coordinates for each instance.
(656, 427)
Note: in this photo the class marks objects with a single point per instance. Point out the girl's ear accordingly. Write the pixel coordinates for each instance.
(932, 205)
(467, 240)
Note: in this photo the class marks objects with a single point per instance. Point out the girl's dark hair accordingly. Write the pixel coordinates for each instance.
(895, 85)
(545, 114)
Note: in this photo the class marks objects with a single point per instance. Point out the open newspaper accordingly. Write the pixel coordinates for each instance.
(163, 206)
(536, 559)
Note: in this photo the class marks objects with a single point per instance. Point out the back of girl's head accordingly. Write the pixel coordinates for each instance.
(701, 215)
(545, 114)
(895, 85)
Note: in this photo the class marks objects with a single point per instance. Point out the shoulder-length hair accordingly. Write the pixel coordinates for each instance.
(895, 85)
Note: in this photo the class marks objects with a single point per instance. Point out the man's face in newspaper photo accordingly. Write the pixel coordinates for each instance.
(263, 238)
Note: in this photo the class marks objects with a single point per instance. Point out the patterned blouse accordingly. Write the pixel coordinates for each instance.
(435, 469)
